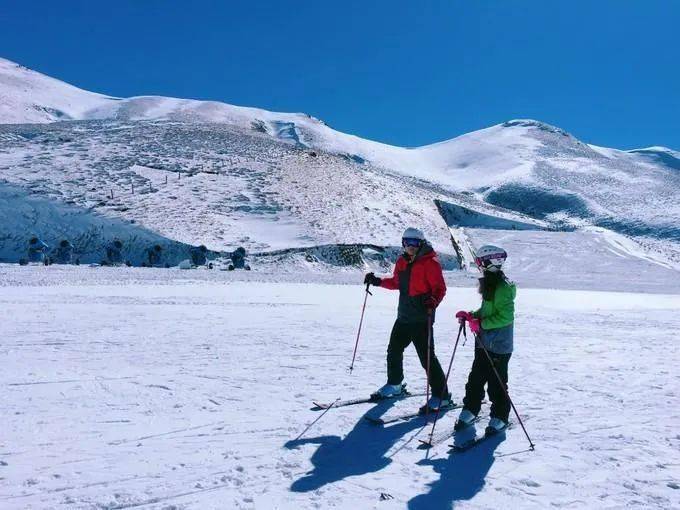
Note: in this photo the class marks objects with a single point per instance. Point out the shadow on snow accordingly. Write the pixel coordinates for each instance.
(462, 476)
(363, 450)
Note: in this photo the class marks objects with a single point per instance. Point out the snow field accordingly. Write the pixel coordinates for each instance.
(190, 393)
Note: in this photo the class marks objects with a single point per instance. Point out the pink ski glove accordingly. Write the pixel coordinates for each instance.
(473, 322)
(475, 325)
(464, 316)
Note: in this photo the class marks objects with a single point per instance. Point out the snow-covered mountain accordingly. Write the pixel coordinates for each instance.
(142, 388)
(28, 97)
(208, 172)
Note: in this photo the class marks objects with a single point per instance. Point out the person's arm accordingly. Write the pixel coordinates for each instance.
(392, 282)
(435, 279)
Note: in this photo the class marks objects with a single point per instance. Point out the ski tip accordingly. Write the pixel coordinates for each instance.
(424, 444)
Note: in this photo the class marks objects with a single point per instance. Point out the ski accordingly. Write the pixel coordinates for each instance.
(449, 432)
(467, 445)
(408, 416)
(438, 438)
(372, 399)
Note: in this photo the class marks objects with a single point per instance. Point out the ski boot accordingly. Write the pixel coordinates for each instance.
(465, 419)
(495, 426)
(389, 391)
(436, 403)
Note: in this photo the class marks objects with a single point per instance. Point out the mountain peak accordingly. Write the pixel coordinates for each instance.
(27, 96)
(532, 123)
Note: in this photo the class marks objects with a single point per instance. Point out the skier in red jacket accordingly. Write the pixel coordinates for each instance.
(419, 279)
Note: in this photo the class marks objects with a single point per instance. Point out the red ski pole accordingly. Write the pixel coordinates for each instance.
(361, 321)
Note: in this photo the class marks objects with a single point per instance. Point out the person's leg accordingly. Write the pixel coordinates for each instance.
(500, 405)
(474, 389)
(399, 340)
(437, 377)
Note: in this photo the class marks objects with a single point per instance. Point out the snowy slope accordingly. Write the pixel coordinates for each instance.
(25, 214)
(224, 187)
(220, 186)
(476, 159)
(661, 155)
(28, 97)
(270, 180)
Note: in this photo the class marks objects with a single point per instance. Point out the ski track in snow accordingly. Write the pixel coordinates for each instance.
(189, 394)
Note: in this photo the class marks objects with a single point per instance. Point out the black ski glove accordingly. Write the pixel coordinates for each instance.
(371, 279)
(430, 303)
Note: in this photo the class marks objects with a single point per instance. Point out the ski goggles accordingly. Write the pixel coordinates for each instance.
(411, 241)
(486, 261)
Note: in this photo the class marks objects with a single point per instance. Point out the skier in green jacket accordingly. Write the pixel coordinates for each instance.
(493, 325)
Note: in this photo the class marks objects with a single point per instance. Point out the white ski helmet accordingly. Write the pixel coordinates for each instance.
(490, 258)
(413, 233)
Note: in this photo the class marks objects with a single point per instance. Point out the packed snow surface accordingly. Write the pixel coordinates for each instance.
(163, 389)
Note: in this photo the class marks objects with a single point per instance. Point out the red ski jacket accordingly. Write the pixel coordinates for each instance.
(417, 280)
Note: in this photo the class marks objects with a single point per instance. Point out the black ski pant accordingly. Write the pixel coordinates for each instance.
(482, 373)
(403, 333)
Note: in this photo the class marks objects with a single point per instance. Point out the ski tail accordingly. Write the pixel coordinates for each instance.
(407, 416)
(319, 406)
(467, 445)
(444, 435)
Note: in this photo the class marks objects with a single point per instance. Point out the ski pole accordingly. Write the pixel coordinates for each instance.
(461, 329)
(507, 395)
(361, 321)
(320, 416)
(427, 369)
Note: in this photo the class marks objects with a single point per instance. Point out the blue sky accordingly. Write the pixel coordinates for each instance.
(403, 72)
